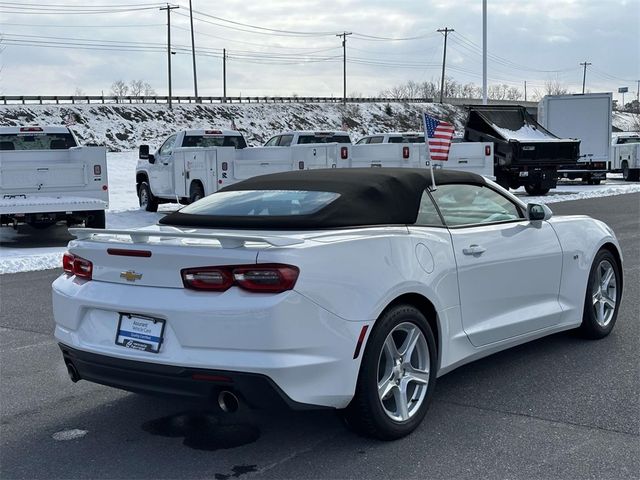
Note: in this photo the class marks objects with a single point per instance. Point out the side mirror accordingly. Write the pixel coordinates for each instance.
(152, 158)
(537, 211)
(143, 152)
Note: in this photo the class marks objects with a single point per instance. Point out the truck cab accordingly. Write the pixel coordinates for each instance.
(306, 137)
(392, 137)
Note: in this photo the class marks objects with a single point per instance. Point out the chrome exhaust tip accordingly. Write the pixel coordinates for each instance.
(228, 402)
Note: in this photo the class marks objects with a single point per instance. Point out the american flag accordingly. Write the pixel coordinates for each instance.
(439, 135)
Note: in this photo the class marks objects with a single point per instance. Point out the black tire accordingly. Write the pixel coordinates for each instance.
(96, 219)
(630, 174)
(595, 325)
(595, 181)
(41, 225)
(503, 181)
(536, 189)
(366, 414)
(196, 192)
(147, 200)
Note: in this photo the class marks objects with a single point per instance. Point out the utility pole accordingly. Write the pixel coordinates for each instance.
(344, 64)
(525, 90)
(224, 75)
(484, 52)
(168, 8)
(584, 75)
(193, 54)
(446, 31)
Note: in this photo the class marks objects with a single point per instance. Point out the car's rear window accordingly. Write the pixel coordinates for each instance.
(36, 141)
(261, 203)
(304, 139)
(407, 139)
(214, 141)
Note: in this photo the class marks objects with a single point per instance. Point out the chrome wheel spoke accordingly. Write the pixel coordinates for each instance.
(402, 405)
(385, 387)
(390, 348)
(595, 297)
(409, 343)
(607, 278)
(418, 376)
(611, 303)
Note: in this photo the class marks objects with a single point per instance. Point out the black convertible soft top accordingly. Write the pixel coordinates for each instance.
(368, 196)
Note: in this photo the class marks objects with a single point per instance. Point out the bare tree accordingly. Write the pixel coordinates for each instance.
(148, 90)
(119, 89)
(136, 88)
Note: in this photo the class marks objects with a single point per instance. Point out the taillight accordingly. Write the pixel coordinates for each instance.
(405, 152)
(344, 153)
(265, 278)
(212, 279)
(487, 150)
(67, 263)
(78, 266)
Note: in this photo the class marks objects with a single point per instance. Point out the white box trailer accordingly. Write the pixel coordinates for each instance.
(585, 117)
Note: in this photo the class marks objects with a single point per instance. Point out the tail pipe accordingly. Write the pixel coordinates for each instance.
(72, 371)
(228, 401)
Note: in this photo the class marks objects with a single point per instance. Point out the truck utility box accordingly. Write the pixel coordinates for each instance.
(45, 178)
(586, 117)
(525, 153)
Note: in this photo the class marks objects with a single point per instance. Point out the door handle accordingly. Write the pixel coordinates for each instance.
(474, 250)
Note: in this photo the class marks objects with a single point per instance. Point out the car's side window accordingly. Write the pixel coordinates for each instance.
(375, 140)
(272, 142)
(463, 204)
(363, 141)
(285, 141)
(427, 213)
(167, 146)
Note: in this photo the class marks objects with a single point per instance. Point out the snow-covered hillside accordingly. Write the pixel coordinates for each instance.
(124, 127)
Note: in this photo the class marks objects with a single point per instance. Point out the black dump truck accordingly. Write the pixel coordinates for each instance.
(525, 154)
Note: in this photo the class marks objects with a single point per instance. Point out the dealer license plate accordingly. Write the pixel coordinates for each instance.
(139, 332)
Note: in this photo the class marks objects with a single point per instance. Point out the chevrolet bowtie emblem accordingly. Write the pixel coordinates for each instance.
(131, 276)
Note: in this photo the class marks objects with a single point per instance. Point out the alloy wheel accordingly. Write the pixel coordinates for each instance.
(403, 372)
(604, 293)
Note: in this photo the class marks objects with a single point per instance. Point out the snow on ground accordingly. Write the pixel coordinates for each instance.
(28, 249)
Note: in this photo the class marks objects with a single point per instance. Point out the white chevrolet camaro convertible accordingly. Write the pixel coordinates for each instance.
(352, 289)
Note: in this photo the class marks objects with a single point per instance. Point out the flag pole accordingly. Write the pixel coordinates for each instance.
(426, 141)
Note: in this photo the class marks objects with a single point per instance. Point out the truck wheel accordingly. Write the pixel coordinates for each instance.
(503, 181)
(536, 189)
(397, 376)
(95, 219)
(147, 200)
(41, 225)
(595, 181)
(196, 192)
(630, 174)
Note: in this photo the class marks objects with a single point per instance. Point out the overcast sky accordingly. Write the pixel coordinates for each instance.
(532, 40)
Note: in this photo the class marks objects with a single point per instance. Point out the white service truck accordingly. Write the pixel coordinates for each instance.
(184, 174)
(625, 155)
(45, 178)
(586, 117)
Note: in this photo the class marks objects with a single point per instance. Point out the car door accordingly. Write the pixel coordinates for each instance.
(509, 268)
(161, 172)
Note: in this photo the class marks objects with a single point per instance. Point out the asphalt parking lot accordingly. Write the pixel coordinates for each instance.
(559, 407)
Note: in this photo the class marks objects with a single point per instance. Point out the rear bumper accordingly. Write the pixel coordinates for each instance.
(303, 349)
(257, 391)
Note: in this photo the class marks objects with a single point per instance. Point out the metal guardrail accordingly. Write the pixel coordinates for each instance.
(73, 99)
(133, 100)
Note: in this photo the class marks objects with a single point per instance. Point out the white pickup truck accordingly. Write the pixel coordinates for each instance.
(625, 155)
(45, 178)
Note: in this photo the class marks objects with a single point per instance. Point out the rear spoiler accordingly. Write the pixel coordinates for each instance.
(227, 240)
